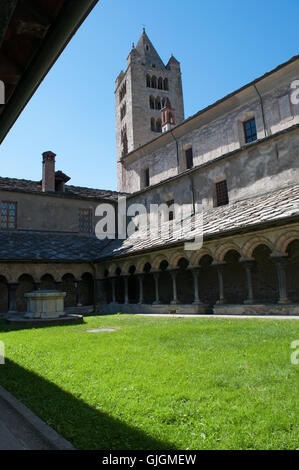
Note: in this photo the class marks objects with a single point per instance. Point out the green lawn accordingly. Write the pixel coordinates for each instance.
(160, 383)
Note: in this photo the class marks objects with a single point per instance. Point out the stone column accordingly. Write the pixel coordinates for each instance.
(12, 297)
(78, 293)
(195, 272)
(113, 290)
(37, 285)
(282, 280)
(220, 268)
(126, 289)
(248, 265)
(174, 301)
(156, 278)
(140, 279)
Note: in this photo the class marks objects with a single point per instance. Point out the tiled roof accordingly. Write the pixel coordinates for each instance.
(267, 208)
(28, 186)
(38, 246)
(43, 246)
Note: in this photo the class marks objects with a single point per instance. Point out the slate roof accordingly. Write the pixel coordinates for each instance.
(267, 208)
(44, 246)
(220, 221)
(28, 186)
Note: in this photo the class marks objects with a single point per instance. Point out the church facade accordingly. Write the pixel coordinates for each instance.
(238, 159)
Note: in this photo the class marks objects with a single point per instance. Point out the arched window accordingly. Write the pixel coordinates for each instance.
(160, 83)
(158, 125)
(153, 125)
(163, 102)
(158, 102)
(166, 84)
(148, 81)
(154, 82)
(152, 102)
(171, 118)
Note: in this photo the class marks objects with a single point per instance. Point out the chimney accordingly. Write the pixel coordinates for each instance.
(48, 181)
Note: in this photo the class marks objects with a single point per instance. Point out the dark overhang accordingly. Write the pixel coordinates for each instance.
(33, 34)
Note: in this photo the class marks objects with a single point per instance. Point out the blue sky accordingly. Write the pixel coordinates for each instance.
(221, 46)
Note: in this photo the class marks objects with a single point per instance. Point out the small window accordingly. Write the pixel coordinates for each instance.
(170, 205)
(8, 215)
(221, 193)
(85, 220)
(146, 177)
(250, 130)
(123, 111)
(189, 158)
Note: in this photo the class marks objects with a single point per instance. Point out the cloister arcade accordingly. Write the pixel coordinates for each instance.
(79, 289)
(255, 271)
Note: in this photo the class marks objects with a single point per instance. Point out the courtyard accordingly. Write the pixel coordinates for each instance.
(159, 383)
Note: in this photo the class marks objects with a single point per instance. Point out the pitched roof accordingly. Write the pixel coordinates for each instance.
(249, 213)
(148, 53)
(35, 187)
(44, 246)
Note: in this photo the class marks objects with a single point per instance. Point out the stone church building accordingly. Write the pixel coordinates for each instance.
(238, 158)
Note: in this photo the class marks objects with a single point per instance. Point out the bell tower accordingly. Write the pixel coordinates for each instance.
(141, 92)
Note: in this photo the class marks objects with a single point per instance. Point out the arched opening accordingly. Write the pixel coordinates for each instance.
(184, 282)
(133, 286)
(119, 287)
(154, 82)
(87, 289)
(264, 276)
(165, 283)
(69, 287)
(158, 102)
(3, 295)
(152, 102)
(47, 282)
(166, 85)
(148, 81)
(234, 279)
(160, 83)
(148, 285)
(159, 125)
(26, 284)
(208, 281)
(153, 125)
(292, 271)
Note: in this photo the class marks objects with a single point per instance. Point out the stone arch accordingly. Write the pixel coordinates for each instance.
(197, 255)
(223, 249)
(174, 259)
(160, 83)
(140, 265)
(154, 81)
(152, 102)
(284, 240)
(25, 284)
(250, 245)
(47, 282)
(157, 261)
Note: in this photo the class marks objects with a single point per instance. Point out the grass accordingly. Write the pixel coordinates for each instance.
(160, 383)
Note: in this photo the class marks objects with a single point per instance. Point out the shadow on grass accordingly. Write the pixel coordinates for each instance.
(84, 426)
(4, 326)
